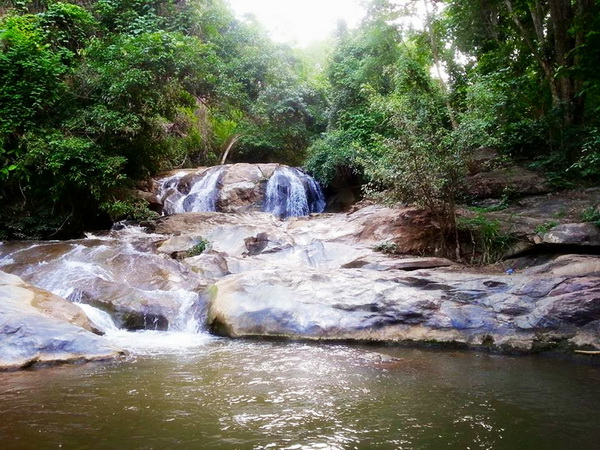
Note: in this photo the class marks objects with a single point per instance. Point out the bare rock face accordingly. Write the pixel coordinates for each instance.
(580, 234)
(496, 183)
(243, 187)
(409, 229)
(569, 266)
(37, 327)
(551, 220)
(518, 312)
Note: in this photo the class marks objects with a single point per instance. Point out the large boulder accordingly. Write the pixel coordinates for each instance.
(243, 187)
(509, 312)
(579, 234)
(511, 181)
(37, 327)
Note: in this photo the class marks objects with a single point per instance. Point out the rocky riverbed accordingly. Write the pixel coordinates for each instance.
(315, 278)
(319, 277)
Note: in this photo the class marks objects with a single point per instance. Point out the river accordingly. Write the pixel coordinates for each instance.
(202, 392)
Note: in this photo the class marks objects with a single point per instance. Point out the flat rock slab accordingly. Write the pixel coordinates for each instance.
(31, 335)
(516, 312)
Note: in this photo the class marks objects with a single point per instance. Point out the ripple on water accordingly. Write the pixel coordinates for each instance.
(220, 394)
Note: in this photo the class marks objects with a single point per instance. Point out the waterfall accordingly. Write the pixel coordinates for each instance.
(202, 195)
(100, 319)
(145, 342)
(292, 193)
(289, 191)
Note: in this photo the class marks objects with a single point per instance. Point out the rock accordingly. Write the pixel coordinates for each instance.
(120, 276)
(257, 240)
(256, 244)
(244, 187)
(505, 312)
(150, 198)
(580, 234)
(484, 159)
(568, 266)
(44, 301)
(37, 327)
(499, 182)
(560, 212)
(178, 245)
(372, 262)
(210, 265)
(410, 229)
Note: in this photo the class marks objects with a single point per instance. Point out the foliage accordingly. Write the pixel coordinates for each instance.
(489, 242)
(129, 208)
(198, 248)
(388, 248)
(95, 96)
(588, 165)
(31, 83)
(545, 227)
(592, 214)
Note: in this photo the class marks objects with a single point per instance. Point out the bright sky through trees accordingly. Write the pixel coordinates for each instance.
(300, 22)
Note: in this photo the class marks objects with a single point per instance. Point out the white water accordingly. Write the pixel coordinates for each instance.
(145, 342)
(99, 319)
(121, 266)
(289, 193)
(202, 196)
(292, 193)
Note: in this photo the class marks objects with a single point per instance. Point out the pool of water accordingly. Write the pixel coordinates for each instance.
(214, 393)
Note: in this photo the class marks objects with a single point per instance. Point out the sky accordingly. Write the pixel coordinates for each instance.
(303, 22)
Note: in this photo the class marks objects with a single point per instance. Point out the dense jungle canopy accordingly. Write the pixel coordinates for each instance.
(98, 95)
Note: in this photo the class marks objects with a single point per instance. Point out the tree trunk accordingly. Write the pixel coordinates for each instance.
(230, 143)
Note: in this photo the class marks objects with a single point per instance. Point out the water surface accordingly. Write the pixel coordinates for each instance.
(211, 393)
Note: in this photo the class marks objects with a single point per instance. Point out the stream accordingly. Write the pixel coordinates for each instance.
(180, 387)
(185, 391)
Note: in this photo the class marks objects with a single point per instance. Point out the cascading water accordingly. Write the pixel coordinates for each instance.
(142, 290)
(292, 193)
(202, 195)
(100, 319)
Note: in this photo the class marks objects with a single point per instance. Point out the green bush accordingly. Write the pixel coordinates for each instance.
(388, 248)
(489, 241)
(199, 248)
(592, 214)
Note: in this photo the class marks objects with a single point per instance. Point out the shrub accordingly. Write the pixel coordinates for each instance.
(489, 241)
(199, 248)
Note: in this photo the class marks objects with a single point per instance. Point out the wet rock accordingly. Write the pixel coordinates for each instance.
(241, 186)
(211, 265)
(37, 327)
(423, 306)
(256, 244)
(140, 290)
(244, 187)
(580, 234)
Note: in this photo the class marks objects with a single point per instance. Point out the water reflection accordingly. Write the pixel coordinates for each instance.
(262, 395)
